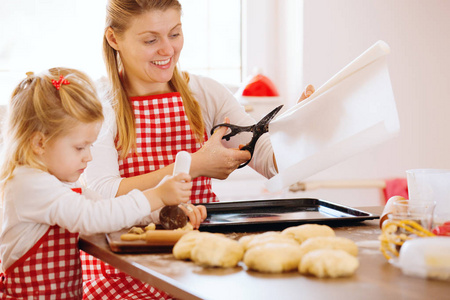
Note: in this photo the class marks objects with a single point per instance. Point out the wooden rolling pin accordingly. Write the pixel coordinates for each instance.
(163, 237)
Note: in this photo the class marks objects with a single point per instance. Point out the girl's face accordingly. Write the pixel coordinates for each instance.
(149, 50)
(67, 156)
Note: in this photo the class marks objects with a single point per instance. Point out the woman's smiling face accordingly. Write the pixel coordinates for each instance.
(150, 48)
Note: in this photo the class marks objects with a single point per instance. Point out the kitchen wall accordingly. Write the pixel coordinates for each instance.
(334, 33)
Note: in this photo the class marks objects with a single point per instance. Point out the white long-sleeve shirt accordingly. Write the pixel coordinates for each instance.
(34, 200)
(216, 102)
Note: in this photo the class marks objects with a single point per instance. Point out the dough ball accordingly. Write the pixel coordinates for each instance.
(329, 242)
(136, 230)
(150, 226)
(217, 251)
(245, 240)
(328, 263)
(273, 258)
(187, 227)
(265, 238)
(184, 246)
(303, 232)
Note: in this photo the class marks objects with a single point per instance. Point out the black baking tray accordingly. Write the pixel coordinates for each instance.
(277, 214)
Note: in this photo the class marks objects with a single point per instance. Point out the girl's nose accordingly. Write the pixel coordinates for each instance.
(88, 156)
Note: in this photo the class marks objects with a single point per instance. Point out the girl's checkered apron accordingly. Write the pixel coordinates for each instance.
(162, 130)
(51, 269)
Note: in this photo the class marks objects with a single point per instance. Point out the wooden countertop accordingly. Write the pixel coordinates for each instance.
(374, 279)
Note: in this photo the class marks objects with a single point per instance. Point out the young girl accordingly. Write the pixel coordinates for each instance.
(54, 118)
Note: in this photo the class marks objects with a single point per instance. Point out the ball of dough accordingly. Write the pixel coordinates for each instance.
(245, 240)
(273, 258)
(136, 230)
(217, 251)
(329, 242)
(328, 263)
(265, 238)
(151, 226)
(303, 232)
(184, 246)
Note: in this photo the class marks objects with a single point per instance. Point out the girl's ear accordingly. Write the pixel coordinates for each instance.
(111, 38)
(38, 142)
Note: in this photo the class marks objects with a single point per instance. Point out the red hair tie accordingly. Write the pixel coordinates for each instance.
(77, 190)
(58, 83)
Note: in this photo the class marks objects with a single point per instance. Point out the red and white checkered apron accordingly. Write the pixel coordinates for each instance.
(51, 269)
(162, 130)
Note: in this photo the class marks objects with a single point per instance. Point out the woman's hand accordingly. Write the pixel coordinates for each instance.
(216, 161)
(309, 90)
(196, 214)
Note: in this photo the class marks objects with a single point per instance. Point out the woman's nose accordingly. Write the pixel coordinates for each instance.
(166, 47)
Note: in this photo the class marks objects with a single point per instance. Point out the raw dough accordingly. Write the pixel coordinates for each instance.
(328, 263)
(264, 238)
(188, 226)
(273, 258)
(136, 230)
(183, 248)
(329, 242)
(151, 226)
(306, 231)
(245, 240)
(217, 251)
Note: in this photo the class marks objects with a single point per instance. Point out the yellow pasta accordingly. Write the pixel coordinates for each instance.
(389, 236)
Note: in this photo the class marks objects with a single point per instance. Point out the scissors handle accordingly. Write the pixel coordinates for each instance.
(257, 129)
(250, 147)
(233, 128)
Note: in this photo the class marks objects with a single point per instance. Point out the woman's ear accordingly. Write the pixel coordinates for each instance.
(111, 38)
(38, 142)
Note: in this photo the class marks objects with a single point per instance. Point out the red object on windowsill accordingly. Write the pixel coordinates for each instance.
(260, 86)
(396, 187)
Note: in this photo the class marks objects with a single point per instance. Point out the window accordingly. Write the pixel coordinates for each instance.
(224, 39)
(212, 31)
(37, 35)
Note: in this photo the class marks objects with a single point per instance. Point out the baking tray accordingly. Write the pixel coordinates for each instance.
(277, 214)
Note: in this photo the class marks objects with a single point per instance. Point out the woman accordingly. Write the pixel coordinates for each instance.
(158, 111)
(142, 44)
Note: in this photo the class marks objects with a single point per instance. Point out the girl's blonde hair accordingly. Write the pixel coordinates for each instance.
(118, 17)
(37, 106)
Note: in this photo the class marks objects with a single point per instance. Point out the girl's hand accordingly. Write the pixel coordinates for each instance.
(196, 214)
(309, 90)
(173, 190)
(216, 161)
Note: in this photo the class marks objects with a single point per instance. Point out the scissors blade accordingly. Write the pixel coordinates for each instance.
(258, 130)
(268, 118)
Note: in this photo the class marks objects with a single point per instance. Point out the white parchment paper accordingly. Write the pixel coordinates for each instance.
(353, 111)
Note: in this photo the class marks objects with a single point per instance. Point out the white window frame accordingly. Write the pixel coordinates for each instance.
(272, 33)
(272, 42)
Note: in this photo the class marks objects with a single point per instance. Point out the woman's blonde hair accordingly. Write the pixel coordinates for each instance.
(118, 17)
(38, 106)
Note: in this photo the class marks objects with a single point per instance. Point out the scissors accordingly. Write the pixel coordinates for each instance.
(257, 129)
